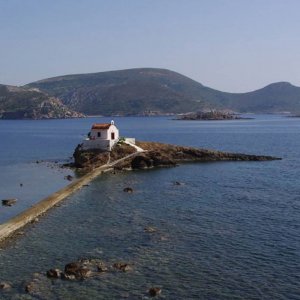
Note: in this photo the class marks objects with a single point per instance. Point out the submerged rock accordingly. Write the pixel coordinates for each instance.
(122, 267)
(77, 269)
(67, 276)
(37, 285)
(5, 285)
(102, 268)
(9, 202)
(128, 190)
(54, 273)
(69, 177)
(154, 291)
(150, 229)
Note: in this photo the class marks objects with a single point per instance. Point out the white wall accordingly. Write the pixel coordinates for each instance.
(105, 133)
(105, 145)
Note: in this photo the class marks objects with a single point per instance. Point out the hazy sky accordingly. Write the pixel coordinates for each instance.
(230, 45)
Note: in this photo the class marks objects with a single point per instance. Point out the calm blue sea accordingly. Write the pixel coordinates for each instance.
(231, 230)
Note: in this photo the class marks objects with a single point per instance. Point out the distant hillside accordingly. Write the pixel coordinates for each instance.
(276, 97)
(130, 92)
(21, 103)
(136, 91)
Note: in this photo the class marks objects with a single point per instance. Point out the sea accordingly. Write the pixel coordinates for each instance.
(230, 230)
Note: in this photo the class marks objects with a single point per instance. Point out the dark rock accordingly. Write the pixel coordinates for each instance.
(84, 273)
(150, 229)
(128, 190)
(38, 286)
(67, 276)
(54, 273)
(9, 202)
(141, 162)
(72, 268)
(35, 220)
(21, 184)
(154, 291)
(69, 177)
(122, 267)
(78, 270)
(102, 268)
(4, 285)
(177, 183)
(29, 288)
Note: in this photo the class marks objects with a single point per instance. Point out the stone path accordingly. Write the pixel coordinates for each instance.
(29, 215)
(138, 149)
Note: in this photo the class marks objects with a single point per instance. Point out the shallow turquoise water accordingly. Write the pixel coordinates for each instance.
(230, 231)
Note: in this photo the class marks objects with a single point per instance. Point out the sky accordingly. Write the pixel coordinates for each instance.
(229, 45)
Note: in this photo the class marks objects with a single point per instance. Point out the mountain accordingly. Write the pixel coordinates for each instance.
(25, 103)
(130, 91)
(276, 97)
(144, 90)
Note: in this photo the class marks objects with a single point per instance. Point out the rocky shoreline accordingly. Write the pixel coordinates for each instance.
(156, 155)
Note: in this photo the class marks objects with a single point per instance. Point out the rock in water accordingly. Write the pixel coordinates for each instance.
(154, 291)
(54, 273)
(67, 276)
(150, 229)
(102, 268)
(78, 270)
(69, 177)
(9, 202)
(122, 267)
(128, 190)
(4, 285)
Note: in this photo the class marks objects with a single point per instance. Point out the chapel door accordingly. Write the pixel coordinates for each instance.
(112, 135)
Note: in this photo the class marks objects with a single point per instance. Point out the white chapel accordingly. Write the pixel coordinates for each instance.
(102, 136)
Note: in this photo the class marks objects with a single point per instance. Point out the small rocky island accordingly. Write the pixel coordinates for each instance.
(211, 115)
(103, 146)
(154, 155)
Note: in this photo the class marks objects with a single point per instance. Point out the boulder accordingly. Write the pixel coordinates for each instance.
(69, 177)
(29, 288)
(4, 285)
(67, 276)
(128, 190)
(78, 270)
(141, 162)
(122, 267)
(9, 202)
(54, 273)
(150, 229)
(72, 268)
(154, 291)
(102, 268)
